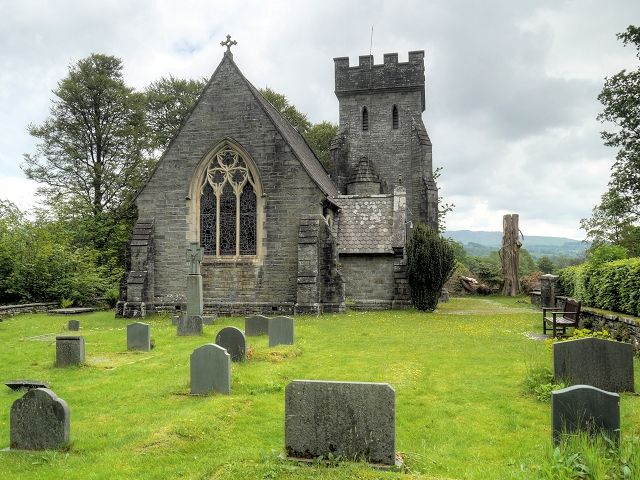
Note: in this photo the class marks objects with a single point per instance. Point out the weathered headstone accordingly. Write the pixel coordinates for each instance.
(39, 421)
(209, 319)
(351, 419)
(232, 339)
(280, 331)
(194, 280)
(601, 363)
(210, 367)
(548, 290)
(175, 319)
(444, 295)
(69, 350)
(585, 408)
(139, 336)
(189, 325)
(73, 325)
(256, 325)
(26, 384)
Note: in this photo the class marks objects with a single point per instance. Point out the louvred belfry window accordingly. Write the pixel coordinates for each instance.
(228, 207)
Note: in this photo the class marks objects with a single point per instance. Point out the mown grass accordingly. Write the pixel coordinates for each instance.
(457, 373)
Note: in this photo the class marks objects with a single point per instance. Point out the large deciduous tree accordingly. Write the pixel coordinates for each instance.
(168, 101)
(615, 219)
(91, 148)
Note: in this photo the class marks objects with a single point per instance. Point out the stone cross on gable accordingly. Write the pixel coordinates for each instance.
(228, 43)
(195, 253)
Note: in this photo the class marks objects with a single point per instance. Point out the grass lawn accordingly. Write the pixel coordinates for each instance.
(457, 373)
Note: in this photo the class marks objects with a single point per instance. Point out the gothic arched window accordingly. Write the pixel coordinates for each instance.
(394, 117)
(365, 119)
(228, 206)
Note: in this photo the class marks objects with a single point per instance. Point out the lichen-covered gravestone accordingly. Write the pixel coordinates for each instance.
(232, 339)
(189, 325)
(280, 331)
(39, 421)
(350, 419)
(210, 368)
(69, 350)
(587, 409)
(601, 363)
(256, 325)
(139, 336)
(73, 325)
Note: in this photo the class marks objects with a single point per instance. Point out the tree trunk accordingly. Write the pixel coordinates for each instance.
(510, 255)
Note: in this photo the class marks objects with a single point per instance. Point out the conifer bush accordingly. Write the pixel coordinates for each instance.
(430, 262)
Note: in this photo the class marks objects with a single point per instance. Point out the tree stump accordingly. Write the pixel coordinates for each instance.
(510, 254)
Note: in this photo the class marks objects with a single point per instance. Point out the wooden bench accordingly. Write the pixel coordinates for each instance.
(560, 320)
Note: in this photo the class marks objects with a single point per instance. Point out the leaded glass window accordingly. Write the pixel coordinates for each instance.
(228, 207)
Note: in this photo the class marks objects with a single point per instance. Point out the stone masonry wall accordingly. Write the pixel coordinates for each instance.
(228, 109)
(369, 280)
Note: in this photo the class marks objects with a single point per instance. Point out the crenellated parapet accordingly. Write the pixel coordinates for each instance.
(391, 75)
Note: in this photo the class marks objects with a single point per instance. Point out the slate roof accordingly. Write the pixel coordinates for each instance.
(298, 144)
(364, 173)
(365, 224)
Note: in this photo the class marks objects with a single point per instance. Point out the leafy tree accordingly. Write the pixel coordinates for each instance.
(545, 265)
(281, 103)
(606, 253)
(90, 157)
(319, 138)
(430, 262)
(168, 101)
(527, 265)
(618, 213)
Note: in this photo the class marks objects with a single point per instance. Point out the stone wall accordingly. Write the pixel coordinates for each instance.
(369, 280)
(9, 310)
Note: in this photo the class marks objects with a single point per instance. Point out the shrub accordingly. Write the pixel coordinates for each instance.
(539, 382)
(430, 261)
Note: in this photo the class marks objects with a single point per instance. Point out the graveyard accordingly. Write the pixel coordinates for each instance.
(460, 407)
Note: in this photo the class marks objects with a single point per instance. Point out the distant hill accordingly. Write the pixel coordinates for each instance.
(482, 243)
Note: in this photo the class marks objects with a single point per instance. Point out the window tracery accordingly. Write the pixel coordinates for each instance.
(228, 206)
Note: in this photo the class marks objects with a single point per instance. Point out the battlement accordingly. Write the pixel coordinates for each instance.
(390, 75)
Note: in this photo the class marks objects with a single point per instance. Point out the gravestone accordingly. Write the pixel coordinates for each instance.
(195, 254)
(39, 421)
(26, 384)
(210, 367)
(605, 364)
(256, 325)
(585, 408)
(175, 319)
(69, 350)
(232, 339)
(548, 290)
(189, 325)
(209, 319)
(280, 331)
(139, 336)
(73, 325)
(351, 419)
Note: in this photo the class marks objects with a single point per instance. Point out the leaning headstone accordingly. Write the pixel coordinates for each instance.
(280, 331)
(139, 336)
(601, 363)
(350, 419)
(189, 325)
(210, 367)
(256, 325)
(587, 409)
(39, 421)
(73, 325)
(232, 339)
(69, 350)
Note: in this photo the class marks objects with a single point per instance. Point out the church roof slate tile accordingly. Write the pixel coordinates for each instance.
(365, 224)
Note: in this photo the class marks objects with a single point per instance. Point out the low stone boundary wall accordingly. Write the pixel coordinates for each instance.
(9, 310)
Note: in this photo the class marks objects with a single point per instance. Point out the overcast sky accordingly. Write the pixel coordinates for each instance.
(511, 85)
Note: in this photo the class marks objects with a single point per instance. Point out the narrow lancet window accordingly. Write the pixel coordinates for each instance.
(365, 119)
(394, 117)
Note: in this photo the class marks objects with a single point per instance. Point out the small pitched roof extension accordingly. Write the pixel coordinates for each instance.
(298, 144)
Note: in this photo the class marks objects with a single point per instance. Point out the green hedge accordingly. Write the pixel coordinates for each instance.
(611, 286)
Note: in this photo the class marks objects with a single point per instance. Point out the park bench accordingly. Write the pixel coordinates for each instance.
(560, 320)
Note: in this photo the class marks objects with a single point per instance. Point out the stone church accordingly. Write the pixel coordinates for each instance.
(280, 233)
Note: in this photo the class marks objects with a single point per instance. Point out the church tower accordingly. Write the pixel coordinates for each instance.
(381, 126)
